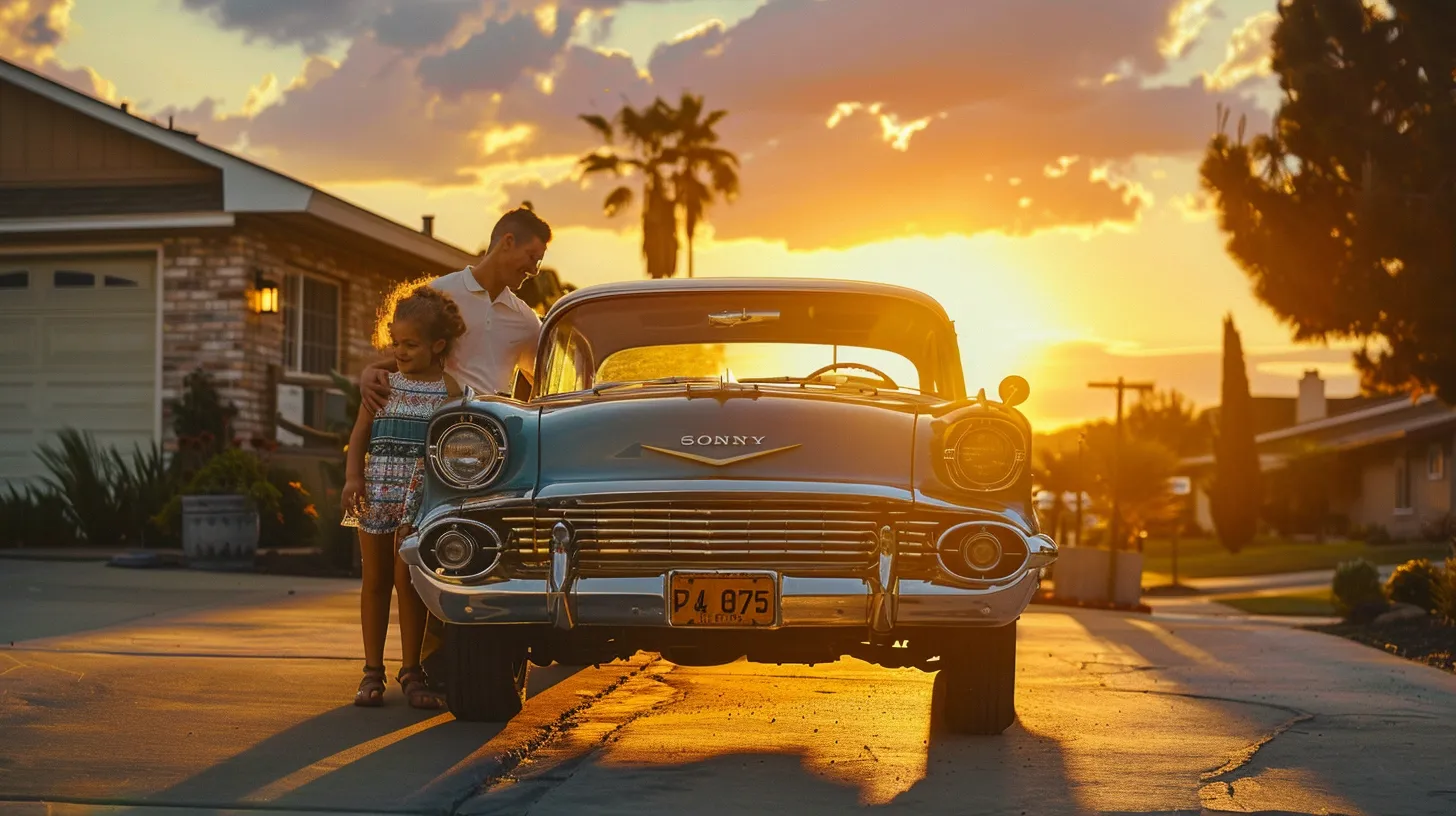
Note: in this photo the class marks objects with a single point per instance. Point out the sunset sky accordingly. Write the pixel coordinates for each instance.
(1030, 163)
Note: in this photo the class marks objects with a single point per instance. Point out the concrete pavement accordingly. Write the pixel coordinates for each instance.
(217, 692)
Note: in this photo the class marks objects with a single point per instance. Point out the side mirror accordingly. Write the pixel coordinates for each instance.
(1014, 390)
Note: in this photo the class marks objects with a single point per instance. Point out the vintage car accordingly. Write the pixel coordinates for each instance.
(790, 471)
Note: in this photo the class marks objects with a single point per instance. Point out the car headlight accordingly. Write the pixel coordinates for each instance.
(469, 453)
(985, 453)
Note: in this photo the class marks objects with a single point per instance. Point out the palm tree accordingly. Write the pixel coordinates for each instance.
(675, 150)
(644, 133)
(695, 153)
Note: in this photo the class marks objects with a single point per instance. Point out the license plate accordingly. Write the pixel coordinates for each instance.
(702, 599)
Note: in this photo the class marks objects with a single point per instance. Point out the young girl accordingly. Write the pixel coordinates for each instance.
(380, 487)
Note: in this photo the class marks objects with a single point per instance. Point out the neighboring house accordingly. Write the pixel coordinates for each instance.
(132, 254)
(1379, 463)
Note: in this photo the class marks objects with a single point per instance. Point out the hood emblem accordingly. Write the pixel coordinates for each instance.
(708, 460)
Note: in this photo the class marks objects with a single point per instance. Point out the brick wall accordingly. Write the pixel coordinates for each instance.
(208, 321)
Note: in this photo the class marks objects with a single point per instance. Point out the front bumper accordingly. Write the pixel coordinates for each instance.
(803, 601)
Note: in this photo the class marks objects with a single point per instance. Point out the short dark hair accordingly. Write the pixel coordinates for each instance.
(522, 223)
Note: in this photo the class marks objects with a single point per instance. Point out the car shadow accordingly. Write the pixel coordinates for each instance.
(337, 760)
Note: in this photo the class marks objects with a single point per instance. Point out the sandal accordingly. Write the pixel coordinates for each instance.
(371, 688)
(417, 689)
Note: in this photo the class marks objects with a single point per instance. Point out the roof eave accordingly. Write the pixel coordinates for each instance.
(247, 187)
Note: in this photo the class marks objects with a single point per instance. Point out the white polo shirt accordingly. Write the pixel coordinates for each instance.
(500, 334)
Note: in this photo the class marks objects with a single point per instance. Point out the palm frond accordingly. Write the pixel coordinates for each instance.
(600, 125)
(617, 200)
(600, 163)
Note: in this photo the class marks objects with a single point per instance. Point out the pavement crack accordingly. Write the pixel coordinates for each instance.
(1247, 754)
(567, 721)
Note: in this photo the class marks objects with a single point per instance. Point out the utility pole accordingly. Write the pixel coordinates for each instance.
(1114, 524)
(1081, 482)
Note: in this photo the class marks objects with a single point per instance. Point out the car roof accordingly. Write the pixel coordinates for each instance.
(746, 284)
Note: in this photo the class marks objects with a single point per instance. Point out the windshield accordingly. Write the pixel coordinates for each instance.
(744, 362)
(849, 340)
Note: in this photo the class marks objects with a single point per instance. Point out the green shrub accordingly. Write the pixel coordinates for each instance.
(1446, 591)
(234, 472)
(87, 476)
(1356, 582)
(1415, 582)
(1376, 535)
(202, 423)
(34, 517)
(109, 501)
(296, 522)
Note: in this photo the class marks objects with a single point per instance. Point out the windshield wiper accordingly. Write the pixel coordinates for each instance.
(862, 388)
(614, 386)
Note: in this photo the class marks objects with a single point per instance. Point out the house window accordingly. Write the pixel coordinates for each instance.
(310, 325)
(1402, 485)
(19, 279)
(71, 279)
(1436, 462)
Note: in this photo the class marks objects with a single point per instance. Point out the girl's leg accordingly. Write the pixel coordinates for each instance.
(412, 613)
(377, 562)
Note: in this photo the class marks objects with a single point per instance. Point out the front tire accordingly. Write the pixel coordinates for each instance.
(485, 673)
(976, 686)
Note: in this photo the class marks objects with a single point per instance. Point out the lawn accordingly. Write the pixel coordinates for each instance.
(1307, 602)
(1206, 558)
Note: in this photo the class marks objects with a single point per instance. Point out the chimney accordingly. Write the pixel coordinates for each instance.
(1311, 405)
(169, 123)
(429, 227)
(125, 106)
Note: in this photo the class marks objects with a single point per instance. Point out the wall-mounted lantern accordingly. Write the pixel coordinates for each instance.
(265, 294)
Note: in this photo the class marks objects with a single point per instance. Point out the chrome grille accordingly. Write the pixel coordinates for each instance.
(632, 536)
(917, 548)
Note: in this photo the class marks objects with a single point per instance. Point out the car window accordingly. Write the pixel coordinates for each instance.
(744, 361)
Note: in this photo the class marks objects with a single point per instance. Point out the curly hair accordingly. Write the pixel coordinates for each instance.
(434, 311)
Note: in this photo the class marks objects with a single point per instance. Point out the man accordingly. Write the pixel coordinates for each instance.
(500, 329)
(501, 332)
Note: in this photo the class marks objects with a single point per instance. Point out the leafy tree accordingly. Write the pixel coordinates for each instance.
(1059, 473)
(1141, 481)
(1169, 418)
(672, 149)
(1235, 495)
(1344, 215)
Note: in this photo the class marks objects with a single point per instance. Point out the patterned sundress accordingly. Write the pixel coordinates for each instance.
(394, 463)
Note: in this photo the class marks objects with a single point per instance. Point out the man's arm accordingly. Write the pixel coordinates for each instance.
(374, 384)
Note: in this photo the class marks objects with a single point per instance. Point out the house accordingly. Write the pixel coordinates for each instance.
(1373, 463)
(132, 253)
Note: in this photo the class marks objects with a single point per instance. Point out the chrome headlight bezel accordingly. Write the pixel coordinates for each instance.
(492, 430)
(1010, 431)
(486, 549)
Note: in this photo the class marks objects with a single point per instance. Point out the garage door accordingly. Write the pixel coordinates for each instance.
(78, 349)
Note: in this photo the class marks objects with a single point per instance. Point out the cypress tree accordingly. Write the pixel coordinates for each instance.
(1235, 493)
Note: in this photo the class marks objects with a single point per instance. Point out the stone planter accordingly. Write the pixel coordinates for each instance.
(219, 532)
(1081, 575)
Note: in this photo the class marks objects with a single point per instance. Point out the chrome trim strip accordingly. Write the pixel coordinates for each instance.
(803, 601)
(634, 490)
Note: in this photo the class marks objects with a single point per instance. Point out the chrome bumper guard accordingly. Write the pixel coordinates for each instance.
(881, 602)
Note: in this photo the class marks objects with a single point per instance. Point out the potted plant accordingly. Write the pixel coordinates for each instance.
(219, 510)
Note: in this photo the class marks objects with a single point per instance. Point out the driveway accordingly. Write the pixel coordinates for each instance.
(206, 692)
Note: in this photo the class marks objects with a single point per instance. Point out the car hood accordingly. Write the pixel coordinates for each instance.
(768, 437)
